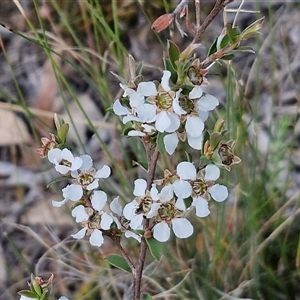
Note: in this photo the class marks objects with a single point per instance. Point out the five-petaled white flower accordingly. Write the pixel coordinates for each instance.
(93, 220)
(64, 160)
(144, 204)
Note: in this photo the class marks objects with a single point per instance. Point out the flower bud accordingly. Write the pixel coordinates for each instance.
(162, 22)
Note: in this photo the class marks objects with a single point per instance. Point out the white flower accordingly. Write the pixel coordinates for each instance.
(117, 208)
(63, 298)
(218, 192)
(71, 192)
(64, 160)
(143, 205)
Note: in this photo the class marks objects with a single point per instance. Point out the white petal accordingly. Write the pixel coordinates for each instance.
(104, 172)
(80, 234)
(73, 192)
(136, 133)
(182, 188)
(79, 214)
(201, 206)
(62, 169)
(207, 103)
(98, 200)
(146, 113)
(180, 204)
(153, 211)
(119, 109)
(165, 81)
(77, 163)
(195, 142)
(59, 203)
(147, 88)
(129, 118)
(194, 126)
(129, 209)
(106, 221)
(175, 122)
(176, 107)
(116, 207)
(182, 228)
(54, 155)
(67, 155)
(136, 222)
(218, 192)
(87, 162)
(63, 298)
(212, 172)
(171, 142)
(129, 234)
(161, 232)
(140, 186)
(162, 121)
(96, 238)
(166, 194)
(196, 92)
(93, 185)
(154, 192)
(186, 170)
(136, 99)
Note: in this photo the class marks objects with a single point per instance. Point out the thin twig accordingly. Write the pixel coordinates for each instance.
(220, 4)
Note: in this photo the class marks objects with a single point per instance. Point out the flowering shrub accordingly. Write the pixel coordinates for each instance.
(162, 115)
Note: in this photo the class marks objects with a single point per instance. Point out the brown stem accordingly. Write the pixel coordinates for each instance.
(220, 4)
(137, 276)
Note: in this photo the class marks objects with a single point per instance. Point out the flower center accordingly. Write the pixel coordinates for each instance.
(85, 179)
(167, 212)
(186, 103)
(164, 100)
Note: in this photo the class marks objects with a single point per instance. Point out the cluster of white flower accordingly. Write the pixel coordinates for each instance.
(164, 206)
(159, 109)
(167, 207)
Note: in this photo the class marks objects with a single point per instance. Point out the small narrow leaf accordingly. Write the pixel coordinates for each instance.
(155, 247)
(233, 33)
(118, 262)
(62, 132)
(160, 142)
(173, 53)
(213, 48)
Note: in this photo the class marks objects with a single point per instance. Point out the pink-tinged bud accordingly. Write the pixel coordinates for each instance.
(162, 22)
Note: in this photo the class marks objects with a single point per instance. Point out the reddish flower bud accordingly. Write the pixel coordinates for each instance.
(162, 22)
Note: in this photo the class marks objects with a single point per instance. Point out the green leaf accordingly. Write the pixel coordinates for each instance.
(233, 33)
(146, 297)
(252, 29)
(228, 56)
(155, 247)
(213, 48)
(143, 165)
(139, 69)
(245, 49)
(160, 142)
(62, 132)
(168, 66)
(173, 53)
(28, 294)
(223, 41)
(118, 262)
